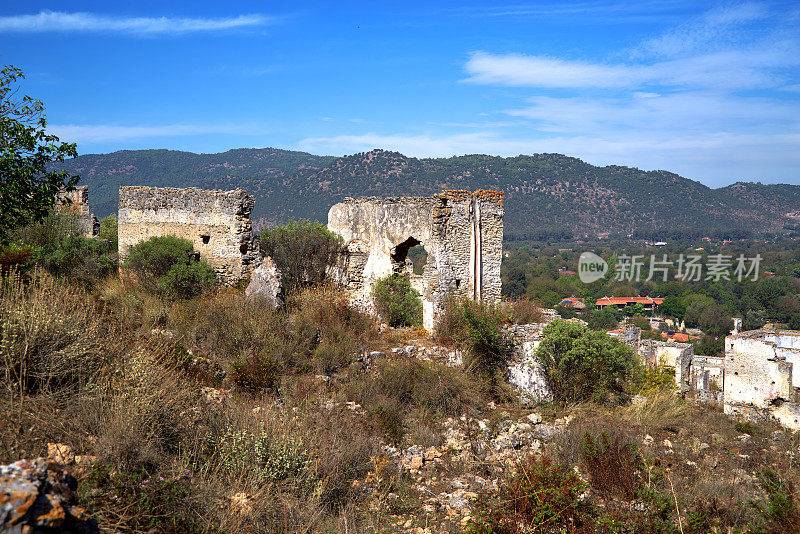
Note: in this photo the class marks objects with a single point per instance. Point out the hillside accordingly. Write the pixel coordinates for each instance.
(545, 193)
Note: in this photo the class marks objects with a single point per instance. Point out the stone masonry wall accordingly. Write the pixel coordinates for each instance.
(462, 232)
(216, 222)
(76, 202)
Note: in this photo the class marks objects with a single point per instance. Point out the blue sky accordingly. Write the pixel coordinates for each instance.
(708, 90)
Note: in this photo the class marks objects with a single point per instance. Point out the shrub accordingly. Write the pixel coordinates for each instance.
(254, 373)
(156, 256)
(81, 258)
(14, 256)
(542, 496)
(580, 365)
(303, 251)
(187, 280)
(781, 509)
(396, 301)
(613, 461)
(390, 423)
(745, 427)
(476, 328)
(330, 328)
(52, 335)
(661, 408)
(166, 263)
(60, 248)
(526, 311)
(109, 231)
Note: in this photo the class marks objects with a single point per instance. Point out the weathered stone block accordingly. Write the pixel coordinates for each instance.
(266, 284)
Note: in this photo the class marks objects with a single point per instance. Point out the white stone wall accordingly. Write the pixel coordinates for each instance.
(462, 232)
(753, 372)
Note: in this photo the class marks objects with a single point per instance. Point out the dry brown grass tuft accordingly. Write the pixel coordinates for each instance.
(52, 335)
(660, 408)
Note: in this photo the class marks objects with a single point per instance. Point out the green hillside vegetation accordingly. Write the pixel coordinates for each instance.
(546, 195)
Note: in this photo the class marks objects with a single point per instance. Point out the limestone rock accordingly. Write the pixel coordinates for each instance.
(39, 496)
(265, 283)
(60, 453)
(535, 418)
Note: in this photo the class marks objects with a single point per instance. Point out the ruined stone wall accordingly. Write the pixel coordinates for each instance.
(216, 222)
(462, 232)
(754, 372)
(76, 203)
(676, 355)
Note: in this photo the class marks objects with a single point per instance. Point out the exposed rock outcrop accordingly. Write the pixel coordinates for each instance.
(38, 496)
(265, 283)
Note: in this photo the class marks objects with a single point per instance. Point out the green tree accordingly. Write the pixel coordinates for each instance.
(303, 251)
(673, 306)
(580, 364)
(603, 319)
(716, 321)
(28, 189)
(396, 301)
(109, 231)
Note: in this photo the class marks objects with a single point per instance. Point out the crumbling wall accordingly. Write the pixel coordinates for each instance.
(708, 378)
(462, 232)
(756, 372)
(216, 222)
(653, 353)
(76, 203)
(524, 371)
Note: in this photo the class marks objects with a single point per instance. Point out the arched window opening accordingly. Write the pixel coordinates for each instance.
(400, 260)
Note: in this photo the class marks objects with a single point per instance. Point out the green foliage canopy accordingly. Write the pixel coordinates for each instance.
(27, 188)
(581, 365)
(396, 301)
(166, 262)
(302, 250)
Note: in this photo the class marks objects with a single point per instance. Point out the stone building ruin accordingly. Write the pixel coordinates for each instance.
(216, 222)
(76, 203)
(760, 380)
(461, 231)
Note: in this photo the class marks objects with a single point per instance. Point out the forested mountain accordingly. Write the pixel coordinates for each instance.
(544, 193)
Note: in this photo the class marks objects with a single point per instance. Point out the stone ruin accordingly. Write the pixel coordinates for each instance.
(76, 203)
(216, 222)
(461, 231)
(759, 379)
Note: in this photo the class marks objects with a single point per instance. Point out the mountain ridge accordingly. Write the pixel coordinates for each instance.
(543, 192)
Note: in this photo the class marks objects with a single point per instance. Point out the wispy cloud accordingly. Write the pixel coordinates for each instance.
(102, 133)
(717, 27)
(752, 67)
(539, 71)
(57, 21)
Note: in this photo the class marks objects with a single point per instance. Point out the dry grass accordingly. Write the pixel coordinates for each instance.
(526, 311)
(660, 408)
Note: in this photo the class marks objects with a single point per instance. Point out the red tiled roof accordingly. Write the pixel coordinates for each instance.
(606, 301)
(679, 337)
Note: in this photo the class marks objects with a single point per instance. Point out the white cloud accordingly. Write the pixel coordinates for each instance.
(539, 71)
(755, 67)
(672, 113)
(101, 133)
(56, 21)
